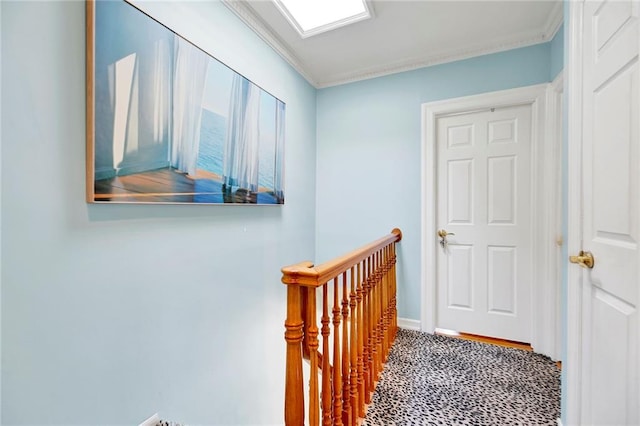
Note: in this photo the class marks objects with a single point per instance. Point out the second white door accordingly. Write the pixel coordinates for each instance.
(484, 197)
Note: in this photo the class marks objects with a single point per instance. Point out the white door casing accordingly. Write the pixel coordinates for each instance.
(544, 297)
(603, 328)
(484, 200)
(551, 344)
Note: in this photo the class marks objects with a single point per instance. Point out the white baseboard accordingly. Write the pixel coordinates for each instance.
(409, 324)
(559, 422)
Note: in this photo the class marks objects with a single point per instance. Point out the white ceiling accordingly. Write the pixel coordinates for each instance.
(403, 35)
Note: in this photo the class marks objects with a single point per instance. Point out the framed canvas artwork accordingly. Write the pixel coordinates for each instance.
(169, 123)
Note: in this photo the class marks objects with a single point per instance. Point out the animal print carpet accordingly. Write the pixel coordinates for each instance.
(438, 380)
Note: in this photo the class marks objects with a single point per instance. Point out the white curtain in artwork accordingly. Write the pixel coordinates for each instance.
(278, 179)
(188, 90)
(243, 135)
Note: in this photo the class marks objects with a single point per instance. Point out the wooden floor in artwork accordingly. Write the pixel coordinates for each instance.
(168, 185)
(154, 186)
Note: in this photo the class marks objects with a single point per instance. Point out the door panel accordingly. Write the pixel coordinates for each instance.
(502, 131)
(611, 214)
(502, 190)
(460, 269)
(609, 384)
(460, 175)
(484, 198)
(460, 136)
(502, 280)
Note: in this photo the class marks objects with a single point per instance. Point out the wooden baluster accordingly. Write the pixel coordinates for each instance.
(376, 309)
(392, 332)
(312, 340)
(392, 300)
(361, 333)
(374, 273)
(368, 330)
(373, 324)
(394, 289)
(353, 337)
(326, 367)
(304, 313)
(337, 372)
(392, 276)
(346, 358)
(385, 303)
(382, 311)
(294, 403)
(365, 332)
(381, 357)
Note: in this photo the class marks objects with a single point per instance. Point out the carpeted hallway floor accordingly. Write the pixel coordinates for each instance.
(438, 380)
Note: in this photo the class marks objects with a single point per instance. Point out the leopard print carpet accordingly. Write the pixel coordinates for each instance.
(438, 380)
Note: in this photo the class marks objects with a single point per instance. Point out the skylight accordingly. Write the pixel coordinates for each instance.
(311, 17)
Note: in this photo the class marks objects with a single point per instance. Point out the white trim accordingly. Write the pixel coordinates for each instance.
(554, 21)
(547, 330)
(409, 64)
(266, 33)
(559, 421)
(428, 300)
(543, 161)
(409, 324)
(557, 86)
(573, 360)
(249, 17)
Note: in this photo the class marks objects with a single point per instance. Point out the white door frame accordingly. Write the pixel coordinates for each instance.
(545, 180)
(548, 332)
(573, 361)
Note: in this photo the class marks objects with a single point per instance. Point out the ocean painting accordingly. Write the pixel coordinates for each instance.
(169, 123)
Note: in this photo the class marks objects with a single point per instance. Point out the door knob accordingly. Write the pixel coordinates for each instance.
(443, 233)
(443, 237)
(584, 259)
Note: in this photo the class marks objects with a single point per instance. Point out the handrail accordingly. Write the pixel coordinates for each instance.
(359, 315)
(305, 273)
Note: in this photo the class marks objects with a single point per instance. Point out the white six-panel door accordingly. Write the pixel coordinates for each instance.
(484, 198)
(605, 192)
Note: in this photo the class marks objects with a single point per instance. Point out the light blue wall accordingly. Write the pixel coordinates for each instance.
(111, 313)
(368, 152)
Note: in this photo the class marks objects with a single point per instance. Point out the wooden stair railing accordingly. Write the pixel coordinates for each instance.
(357, 325)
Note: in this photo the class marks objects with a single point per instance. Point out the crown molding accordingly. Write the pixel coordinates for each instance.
(554, 21)
(263, 31)
(254, 22)
(422, 62)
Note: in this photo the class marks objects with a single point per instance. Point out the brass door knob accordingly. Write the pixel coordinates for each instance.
(584, 259)
(443, 237)
(443, 233)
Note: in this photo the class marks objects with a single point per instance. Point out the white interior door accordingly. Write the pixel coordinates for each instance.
(605, 191)
(484, 197)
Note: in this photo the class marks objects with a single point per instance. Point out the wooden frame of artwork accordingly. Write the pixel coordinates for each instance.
(168, 123)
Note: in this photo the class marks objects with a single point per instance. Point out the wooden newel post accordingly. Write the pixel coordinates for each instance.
(294, 336)
(294, 405)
